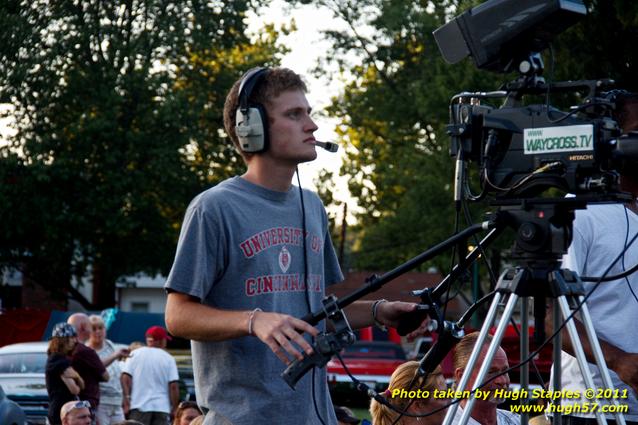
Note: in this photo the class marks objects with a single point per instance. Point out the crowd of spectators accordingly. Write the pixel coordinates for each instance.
(90, 381)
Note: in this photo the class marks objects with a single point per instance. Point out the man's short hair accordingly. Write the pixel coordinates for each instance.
(274, 82)
(463, 350)
(69, 406)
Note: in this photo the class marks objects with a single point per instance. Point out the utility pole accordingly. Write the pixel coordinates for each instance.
(342, 243)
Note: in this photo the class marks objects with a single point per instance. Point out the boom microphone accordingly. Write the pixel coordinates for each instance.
(329, 146)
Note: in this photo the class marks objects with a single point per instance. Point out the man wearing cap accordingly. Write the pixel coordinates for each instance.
(149, 381)
(76, 413)
(86, 361)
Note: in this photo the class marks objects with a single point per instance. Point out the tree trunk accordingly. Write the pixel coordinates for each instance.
(103, 287)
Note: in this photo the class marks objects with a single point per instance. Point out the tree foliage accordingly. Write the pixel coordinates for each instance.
(602, 45)
(393, 116)
(117, 110)
(394, 112)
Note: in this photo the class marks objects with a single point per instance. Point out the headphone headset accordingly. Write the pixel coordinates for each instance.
(251, 120)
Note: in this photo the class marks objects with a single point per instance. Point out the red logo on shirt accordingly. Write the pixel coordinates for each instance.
(284, 259)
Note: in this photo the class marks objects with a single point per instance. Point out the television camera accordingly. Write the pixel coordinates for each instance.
(522, 150)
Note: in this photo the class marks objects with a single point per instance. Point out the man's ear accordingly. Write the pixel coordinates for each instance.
(414, 407)
(458, 373)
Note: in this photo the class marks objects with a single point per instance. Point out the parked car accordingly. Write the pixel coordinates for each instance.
(543, 360)
(10, 412)
(421, 346)
(184, 362)
(371, 362)
(22, 377)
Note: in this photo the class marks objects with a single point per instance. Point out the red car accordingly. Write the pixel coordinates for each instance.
(543, 360)
(371, 362)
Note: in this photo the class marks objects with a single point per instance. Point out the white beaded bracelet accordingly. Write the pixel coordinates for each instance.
(251, 316)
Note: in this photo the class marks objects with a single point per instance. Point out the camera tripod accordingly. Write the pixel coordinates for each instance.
(543, 236)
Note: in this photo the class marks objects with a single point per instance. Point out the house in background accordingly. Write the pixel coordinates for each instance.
(141, 293)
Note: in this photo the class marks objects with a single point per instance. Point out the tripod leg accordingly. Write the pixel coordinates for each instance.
(579, 352)
(489, 319)
(489, 356)
(524, 353)
(556, 372)
(600, 358)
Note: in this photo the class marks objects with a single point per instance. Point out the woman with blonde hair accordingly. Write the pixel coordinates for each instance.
(109, 411)
(400, 380)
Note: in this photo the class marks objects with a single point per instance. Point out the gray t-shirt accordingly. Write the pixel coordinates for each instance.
(241, 247)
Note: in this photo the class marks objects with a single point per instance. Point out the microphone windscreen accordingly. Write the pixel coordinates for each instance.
(332, 147)
(329, 146)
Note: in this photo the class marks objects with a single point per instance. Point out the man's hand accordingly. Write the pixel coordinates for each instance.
(122, 353)
(625, 366)
(389, 313)
(279, 331)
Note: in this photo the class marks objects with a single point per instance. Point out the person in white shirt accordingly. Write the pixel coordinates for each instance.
(150, 381)
(600, 233)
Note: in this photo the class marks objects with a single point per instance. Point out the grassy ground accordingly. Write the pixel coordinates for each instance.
(360, 412)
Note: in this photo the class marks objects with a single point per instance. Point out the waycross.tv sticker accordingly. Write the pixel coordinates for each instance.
(558, 139)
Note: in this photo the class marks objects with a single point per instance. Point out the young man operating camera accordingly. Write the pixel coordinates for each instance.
(254, 255)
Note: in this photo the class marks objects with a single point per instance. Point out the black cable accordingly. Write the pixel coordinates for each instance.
(384, 401)
(551, 77)
(304, 236)
(447, 298)
(454, 253)
(625, 272)
(468, 219)
(560, 328)
(314, 397)
(470, 311)
(529, 358)
(576, 110)
(416, 376)
(470, 222)
(625, 251)
(307, 293)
